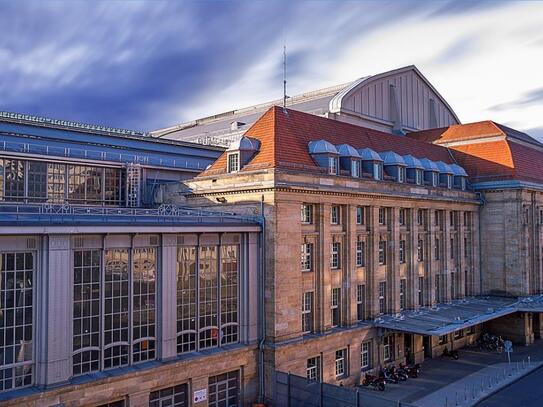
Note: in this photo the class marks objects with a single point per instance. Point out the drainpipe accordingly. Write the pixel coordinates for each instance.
(483, 203)
(262, 285)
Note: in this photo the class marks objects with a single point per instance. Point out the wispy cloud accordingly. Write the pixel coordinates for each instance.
(532, 97)
(149, 64)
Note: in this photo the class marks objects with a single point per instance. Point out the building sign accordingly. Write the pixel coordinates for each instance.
(200, 395)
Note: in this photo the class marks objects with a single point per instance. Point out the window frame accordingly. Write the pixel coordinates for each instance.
(335, 255)
(306, 214)
(365, 353)
(333, 165)
(382, 250)
(341, 364)
(335, 215)
(233, 162)
(361, 302)
(382, 293)
(360, 253)
(307, 257)
(335, 307)
(308, 320)
(402, 251)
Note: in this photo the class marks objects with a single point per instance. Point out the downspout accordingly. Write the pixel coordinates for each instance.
(483, 202)
(262, 285)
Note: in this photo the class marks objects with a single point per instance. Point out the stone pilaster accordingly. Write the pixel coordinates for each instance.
(168, 297)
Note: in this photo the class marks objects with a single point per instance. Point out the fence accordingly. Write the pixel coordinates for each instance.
(296, 391)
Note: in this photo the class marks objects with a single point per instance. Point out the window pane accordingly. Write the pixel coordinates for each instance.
(229, 294)
(186, 298)
(208, 292)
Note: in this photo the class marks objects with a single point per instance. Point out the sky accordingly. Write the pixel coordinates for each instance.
(146, 65)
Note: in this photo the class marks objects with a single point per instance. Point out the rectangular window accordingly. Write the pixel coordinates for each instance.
(401, 174)
(466, 247)
(16, 299)
(361, 302)
(307, 256)
(459, 334)
(401, 217)
(403, 288)
(233, 162)
(307, 214)
(435, 179)
(341, 363)
(443, 339)
(418, 177)
(463, 183)
(470, 330)
(360, 254)
(421, 291)
(449, 181)
(229, 276)
(332, 165)
(335, 306)
(420, 217)
(382, 216)
(208, 295)
(313, 369)
(335, 216)
(335, 255)
(437, 249)
(37, 180)
(365, 355)
(437, 216)
(378, 171)
(382, 297)
(382, 252)
(453, 285)
(402, 251)
(355, 168)
(451, 219)
(223, 390)
(113, 186)
(186, 299)
(387, 348)
(56, 183)
(420, 250)
(452, 248)
(172, 396)
(307, 312)
(86, 311)
(438, 288)
(360, 215)
(14, 180)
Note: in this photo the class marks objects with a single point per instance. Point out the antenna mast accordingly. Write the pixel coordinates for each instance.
(284, 76)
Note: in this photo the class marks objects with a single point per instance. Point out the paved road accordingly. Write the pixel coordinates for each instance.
(527, 392)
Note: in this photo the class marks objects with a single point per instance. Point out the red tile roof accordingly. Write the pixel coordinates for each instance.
(512, 155)
(285, 134)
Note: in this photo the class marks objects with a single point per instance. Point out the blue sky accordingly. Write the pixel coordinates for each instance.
(149, 64)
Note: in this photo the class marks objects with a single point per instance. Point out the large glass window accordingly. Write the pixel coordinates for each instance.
(382, 297)
(37, 180)
(56, 182)
(306, 214)
(207, 306)
(313, 369)
(365, 355)
(114, 309)
(335, 307)
(307, 254)
(16, 298)
(341, 363)
(360, 254)
(335, 255)
(86, 311)
(224, 390)
(361, 302)
(307, 312)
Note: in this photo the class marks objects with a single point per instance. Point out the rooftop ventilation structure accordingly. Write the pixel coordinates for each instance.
(240, 152)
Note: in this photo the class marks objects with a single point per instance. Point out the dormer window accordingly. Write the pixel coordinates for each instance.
(233, 162)
(401, 174)
(463, 183)
(378, 171)
(449, 181)
(435, 179)
(418, 177)
(355, 169)
(332, 165)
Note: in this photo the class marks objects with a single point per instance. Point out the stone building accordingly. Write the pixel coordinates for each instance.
(106, 298)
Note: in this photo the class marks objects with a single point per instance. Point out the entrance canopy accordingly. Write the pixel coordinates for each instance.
(447, 318)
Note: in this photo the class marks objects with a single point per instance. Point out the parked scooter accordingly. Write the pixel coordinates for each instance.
(491, 342)
(411, 371)
(450, 353)
(377, 383)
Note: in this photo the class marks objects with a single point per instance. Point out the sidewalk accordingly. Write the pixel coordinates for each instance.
(448, 382)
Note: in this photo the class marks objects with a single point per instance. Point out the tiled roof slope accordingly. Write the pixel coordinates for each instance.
(285, 134)
(470, 131)
(509, 155)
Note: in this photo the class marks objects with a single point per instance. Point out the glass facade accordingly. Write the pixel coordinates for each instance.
(39, 181)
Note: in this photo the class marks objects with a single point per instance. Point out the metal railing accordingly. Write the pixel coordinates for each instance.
(66, 213)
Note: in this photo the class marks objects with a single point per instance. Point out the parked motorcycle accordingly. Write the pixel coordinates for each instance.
(388, 376)
(490, 342)
(450, 353)
(411, 371)
(399, 373)
(377, 383)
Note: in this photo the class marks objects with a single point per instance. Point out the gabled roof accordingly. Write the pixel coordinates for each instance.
(285, 134)
(490, 151)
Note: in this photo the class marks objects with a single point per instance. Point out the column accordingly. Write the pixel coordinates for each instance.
(322, 270)
(372, 288)
(430, 269)
(461, 258)
(448, 263)
(168, 297)
(349, 266)
(411, 258)
(393, 269)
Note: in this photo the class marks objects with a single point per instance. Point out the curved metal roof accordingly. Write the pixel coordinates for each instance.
(245, 143)
(429, 165)
(444, 168)
(458, 171)
(392, 158)
(367, 154)
(321, 147)
(412, 162)
(346, 150)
